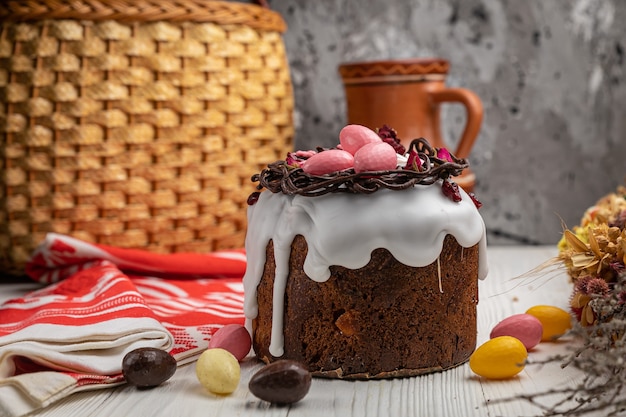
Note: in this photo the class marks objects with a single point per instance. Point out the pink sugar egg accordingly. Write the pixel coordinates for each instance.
(327, 162)
(234, 338)
(375, 157)
(354, 137)
(528, 329)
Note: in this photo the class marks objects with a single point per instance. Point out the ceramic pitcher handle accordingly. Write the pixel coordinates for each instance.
(474, 108)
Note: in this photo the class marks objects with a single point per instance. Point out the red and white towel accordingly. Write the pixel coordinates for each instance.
(102, 302)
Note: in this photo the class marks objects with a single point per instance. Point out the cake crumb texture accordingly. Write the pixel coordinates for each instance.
(384, 320)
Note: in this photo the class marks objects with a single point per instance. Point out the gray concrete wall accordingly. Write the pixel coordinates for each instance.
(550, 73)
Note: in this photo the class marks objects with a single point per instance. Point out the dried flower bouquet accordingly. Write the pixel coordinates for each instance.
(594, 254)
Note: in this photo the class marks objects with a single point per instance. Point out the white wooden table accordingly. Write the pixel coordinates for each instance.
(457, 392)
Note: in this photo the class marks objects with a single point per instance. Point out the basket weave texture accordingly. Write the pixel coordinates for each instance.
(136, 124)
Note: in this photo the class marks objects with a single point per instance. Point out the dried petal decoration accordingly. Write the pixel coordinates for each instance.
(414, 162)
(476, 201)
(390, 136)
(451, 190)
(443, 153)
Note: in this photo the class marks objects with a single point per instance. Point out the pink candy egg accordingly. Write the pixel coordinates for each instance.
(329, 161)
(354, 137)
(234, 338)
(375, 157)
(528, 329)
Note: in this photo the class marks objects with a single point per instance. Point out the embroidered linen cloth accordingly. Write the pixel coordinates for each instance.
(99, 303)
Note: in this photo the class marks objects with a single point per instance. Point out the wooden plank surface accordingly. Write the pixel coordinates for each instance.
(457, 392)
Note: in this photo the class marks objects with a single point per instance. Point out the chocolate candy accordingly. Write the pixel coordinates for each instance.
(555, 321)
(281, 382)
(499, 358)
(354, 137)
(233, 338)
(327, 162)
(375, 157)
(218, 371)
(148, 367)
(528, 329)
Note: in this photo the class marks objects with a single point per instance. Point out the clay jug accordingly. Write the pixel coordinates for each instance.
(406, 95)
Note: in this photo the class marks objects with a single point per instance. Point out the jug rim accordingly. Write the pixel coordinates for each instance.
(408, 66)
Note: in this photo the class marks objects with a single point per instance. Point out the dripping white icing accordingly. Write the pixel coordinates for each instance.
(344, 229)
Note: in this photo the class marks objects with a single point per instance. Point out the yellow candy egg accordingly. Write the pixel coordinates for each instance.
(555, 321)
(499, 358)
(218, 371)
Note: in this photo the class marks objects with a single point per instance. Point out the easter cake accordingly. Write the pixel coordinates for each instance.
(364, 259)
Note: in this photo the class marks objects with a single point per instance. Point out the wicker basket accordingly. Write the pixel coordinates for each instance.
(136, 123)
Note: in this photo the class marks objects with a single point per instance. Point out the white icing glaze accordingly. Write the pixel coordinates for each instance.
(344, 229)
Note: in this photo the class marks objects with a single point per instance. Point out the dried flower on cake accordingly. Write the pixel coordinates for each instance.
(414, 163)
(390, 136)
(443, 153)
(451, 190)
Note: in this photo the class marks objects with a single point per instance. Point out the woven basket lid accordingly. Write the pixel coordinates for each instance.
(200, 11)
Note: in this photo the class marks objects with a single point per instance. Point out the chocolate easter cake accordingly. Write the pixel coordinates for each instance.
(362, 267)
